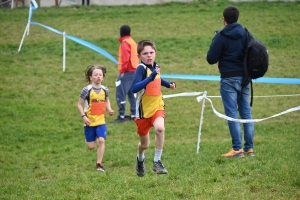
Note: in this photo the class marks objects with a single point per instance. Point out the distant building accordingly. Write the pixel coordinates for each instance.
(49, 3)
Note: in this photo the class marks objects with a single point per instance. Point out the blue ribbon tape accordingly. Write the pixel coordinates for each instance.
(175, 76)
(80, 41)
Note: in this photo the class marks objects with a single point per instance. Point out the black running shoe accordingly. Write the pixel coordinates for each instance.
(119, 120)
(159, 168)
(99, 167)
(140, 167)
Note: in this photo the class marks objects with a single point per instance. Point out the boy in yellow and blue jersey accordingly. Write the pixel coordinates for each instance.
(150, 110)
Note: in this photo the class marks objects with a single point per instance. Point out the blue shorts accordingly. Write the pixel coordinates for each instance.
(93, 132)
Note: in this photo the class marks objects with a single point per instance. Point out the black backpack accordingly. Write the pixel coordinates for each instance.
(256, 61)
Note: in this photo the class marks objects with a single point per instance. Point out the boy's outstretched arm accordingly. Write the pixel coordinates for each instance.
(168, 84)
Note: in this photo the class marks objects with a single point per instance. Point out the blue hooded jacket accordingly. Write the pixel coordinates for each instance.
(228, 48)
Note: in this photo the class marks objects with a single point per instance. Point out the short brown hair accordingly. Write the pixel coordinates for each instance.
(144, 43)
(89, 71)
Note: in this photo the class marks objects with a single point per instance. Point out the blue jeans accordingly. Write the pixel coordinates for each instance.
(230, 89)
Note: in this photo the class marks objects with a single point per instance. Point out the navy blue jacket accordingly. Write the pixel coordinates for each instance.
(228, 48)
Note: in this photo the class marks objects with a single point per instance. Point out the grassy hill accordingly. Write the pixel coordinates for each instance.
(42, 149)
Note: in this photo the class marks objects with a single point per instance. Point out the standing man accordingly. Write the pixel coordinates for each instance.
(128, 61)
(228, 49)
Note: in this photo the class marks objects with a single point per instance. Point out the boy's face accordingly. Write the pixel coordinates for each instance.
(148, 55)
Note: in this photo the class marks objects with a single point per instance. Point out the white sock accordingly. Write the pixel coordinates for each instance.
(157, 155)
(141, 156)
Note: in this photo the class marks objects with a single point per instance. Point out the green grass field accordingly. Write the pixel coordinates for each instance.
(42, 149)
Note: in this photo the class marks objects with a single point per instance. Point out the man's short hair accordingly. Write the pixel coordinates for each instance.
(124, 30)
(231, 14)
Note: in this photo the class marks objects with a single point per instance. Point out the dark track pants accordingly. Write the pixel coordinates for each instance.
(123, 89)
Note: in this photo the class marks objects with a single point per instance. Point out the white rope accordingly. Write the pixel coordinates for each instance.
(204, 97)
(182, 94)
(284, 95)
(199, 93)
(200, 98)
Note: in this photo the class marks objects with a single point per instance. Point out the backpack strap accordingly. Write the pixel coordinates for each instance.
(246, 78)
(251, 101)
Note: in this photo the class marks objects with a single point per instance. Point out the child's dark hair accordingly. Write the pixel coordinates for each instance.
(89, 71)
(144, 43)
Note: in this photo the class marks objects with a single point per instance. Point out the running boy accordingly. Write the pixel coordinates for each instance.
(149, 106)
(95, 99)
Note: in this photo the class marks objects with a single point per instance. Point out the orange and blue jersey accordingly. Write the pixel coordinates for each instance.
(147, 86)
(95, 104)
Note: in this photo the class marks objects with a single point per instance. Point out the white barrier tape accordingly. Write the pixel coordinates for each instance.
(200, 98)
(199, 93)
(284, 95)
(205, 97)
(182, 94)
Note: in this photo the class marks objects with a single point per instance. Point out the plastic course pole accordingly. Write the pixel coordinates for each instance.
(201, 121)
(64, 51)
